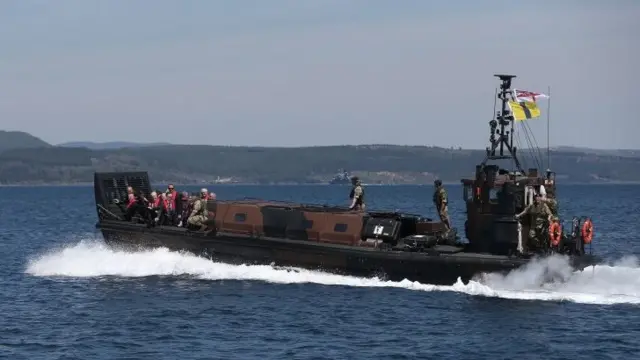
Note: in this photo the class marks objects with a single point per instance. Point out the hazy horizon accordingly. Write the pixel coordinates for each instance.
(315, 73)
(362, 144)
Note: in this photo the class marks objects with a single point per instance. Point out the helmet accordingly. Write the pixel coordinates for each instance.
(437, 182)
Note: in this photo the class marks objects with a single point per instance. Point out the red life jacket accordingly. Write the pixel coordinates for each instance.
(174, 195)
(131, 201)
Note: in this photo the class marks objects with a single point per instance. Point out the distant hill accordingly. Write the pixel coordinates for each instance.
(20, 140)
(606, 152)
(384, 164)
(108, 145)
(26, 159)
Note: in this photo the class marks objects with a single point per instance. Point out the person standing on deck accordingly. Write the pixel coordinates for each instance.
(357, 195)
(441, 202)
(540, 215)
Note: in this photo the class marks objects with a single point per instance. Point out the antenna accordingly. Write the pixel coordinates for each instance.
(503, 118)
(548, 115)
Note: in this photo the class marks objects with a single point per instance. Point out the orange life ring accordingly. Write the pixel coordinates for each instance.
(587, 231)
(555, 233)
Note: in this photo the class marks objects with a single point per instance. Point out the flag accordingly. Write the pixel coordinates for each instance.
(524, 110)
(524, 95)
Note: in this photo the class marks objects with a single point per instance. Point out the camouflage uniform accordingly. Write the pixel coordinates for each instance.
(199, 213)
(539, 212)
(441, 201)
(357, 194)
(553, 206)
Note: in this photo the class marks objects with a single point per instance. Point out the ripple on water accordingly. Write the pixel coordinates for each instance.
(64, 296)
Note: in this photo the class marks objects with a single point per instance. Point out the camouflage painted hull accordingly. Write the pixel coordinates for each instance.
(441, 265)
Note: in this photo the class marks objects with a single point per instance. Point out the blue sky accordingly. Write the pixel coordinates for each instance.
(315, 72)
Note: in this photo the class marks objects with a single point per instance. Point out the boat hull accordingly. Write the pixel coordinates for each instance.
(443, 265)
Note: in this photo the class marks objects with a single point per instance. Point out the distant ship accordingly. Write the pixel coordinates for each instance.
(342, 177)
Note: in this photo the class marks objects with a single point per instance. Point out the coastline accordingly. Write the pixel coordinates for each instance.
(446, 183)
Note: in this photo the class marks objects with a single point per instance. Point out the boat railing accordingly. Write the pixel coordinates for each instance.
(102, 209)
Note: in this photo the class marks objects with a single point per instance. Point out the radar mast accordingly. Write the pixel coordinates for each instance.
(502, 137)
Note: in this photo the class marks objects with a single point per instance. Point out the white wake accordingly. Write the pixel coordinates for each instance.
(602, 284)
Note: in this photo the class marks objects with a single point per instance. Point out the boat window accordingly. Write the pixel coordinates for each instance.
(340, 228)
(493, 194)
(240, 217)
(465, 192)
(307, 224)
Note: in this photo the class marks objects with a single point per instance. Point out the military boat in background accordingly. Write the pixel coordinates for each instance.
(341, 178)
(391, 244)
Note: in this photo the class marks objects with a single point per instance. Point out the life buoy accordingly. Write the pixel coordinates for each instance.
(555, 233)
(587, 231)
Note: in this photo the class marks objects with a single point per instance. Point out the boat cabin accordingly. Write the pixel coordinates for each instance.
(493, 199)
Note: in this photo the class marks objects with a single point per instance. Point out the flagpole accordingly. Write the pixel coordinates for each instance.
(548, 115)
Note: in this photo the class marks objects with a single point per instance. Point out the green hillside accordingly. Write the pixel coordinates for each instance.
(373, 163)
(19, 140)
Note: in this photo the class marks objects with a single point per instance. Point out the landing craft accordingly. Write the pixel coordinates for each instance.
(393, 244)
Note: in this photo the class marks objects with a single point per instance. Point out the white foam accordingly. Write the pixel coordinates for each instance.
(602, 284)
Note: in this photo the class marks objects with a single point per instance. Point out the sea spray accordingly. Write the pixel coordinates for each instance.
(548, 279)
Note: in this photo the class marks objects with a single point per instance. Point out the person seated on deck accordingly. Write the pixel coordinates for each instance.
(136, 204)
(174, 203)
(138, 195)
(540, 216)
(161, 208)
(199, 213)
(131, 201)
(169, 206)
(171, 191)
(177, 207)
(155, 205)
(357, 195)
(185, 208)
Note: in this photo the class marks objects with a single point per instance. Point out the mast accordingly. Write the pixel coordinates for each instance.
(502, 137)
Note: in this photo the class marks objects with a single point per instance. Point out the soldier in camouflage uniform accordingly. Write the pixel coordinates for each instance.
(552, 204)
(199, 212)
(357, 195)
(540, 216)
(549, 198)
(441, 202)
